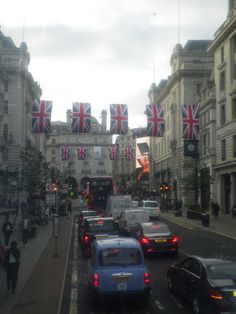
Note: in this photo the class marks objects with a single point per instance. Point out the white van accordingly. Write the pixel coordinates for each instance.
(130, 218)
(152, 207)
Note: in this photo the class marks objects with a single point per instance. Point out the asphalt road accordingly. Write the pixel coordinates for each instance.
(197, 242)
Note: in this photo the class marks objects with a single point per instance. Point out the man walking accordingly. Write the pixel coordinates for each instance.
(7, 229)
(11, 264)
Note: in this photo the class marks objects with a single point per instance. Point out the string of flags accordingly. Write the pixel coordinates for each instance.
(81, 120)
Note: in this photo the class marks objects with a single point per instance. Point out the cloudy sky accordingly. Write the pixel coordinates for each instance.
(105, 51)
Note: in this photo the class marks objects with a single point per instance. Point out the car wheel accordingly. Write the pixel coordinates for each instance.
(169, 284)
(196, 305)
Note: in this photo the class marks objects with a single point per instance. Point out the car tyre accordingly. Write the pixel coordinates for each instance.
(169, 283)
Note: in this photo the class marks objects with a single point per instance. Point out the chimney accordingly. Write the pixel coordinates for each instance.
(104, 120)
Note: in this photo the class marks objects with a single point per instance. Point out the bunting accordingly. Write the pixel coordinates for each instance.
(81, 117)
(81, 152)
(41, 116)
(119, 119)
(114, 150)
(129, 154)
(190, 119)
(155, 120)
(65, 153)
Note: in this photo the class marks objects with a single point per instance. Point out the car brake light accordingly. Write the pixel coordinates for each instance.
(86, 239)
(146, 278)
(215, 294)
(174, 239)
(144, 240)
(95, 280)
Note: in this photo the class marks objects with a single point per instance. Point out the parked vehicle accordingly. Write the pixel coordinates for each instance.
(208, 284)
(156, 237)
(152, 207)
(97, 228)
(117, 269)
(130, 218)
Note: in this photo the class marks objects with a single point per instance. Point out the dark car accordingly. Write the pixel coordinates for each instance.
(84, 213)
(97, 228)
(117, 270)
(156, 237)
(83, 224)
(209, 284)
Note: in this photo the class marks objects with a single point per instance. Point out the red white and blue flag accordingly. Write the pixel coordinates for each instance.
(190, 119)
(65, 152)
(114, 150)
(119, 119)
(81, 152)
(155, 120)
(81, 117)
(41, 116)
(129, 153)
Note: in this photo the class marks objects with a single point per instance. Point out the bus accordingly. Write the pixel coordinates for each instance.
(99, 188)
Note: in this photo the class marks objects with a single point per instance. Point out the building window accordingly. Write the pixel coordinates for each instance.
(222, 114)
(204, 144)
(5, 107)
(5, 132)
(234, 58)
(234, 146)
(198, 89)
(5, 86)
(223, 150)
(222, 81)
(222, 54)
(53, 141)
(234, 108)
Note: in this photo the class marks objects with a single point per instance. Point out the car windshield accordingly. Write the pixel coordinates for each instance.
(222, 271)
(120, 257)
(151, 204)
(101, 225)
(155, 229)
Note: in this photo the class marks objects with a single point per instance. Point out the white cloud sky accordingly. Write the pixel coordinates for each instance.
(102, 51)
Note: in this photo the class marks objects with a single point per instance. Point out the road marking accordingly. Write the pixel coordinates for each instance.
(158, 304)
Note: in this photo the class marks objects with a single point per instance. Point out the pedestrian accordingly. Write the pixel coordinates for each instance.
(46, 214)
(216, 210)
(11, 265)
(2, 253)
(7, 230)
(69, 206)
(25, 229)
(233, 211)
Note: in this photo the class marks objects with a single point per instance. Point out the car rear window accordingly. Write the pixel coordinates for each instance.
(222, 271)
(151, 204)
(120, 257)
(102, 225)
(156, 229)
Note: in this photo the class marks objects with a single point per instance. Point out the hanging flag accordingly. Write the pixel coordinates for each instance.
(81, 117)
(81, 152)
(97, 152)
(119, 119)
(41, 116)
(190, 119)
(65, 153)
(114, 150)
(155, 120)
(129, 154)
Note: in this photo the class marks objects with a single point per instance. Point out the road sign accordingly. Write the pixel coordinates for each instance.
(50, 187)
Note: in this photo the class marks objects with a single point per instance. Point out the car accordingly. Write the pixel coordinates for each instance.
(156, 237)
(209, 284)
(85, 213)
(83, 224)
(97, 228)
(152, 207)
(117, 269)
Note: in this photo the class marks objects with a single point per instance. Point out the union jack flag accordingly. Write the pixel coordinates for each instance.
(114, 150)
(190, 117)
(81, 117)
(155, 120)
(129, 154)
(119, 119)
(81, 152)
(65, 152)
(41, 116)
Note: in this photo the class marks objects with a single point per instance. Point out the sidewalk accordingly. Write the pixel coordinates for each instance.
(41, 275)
(226, 225)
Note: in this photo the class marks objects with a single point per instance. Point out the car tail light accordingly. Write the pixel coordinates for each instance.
(144, 240)
(173, 239)
(215, 294)
(86, 239)
(95, 280)
(146, 278)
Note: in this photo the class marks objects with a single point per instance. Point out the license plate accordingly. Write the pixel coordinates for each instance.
(100, 237)
(122, 286)
(160, 241)
(234, 293)
(121, 278)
